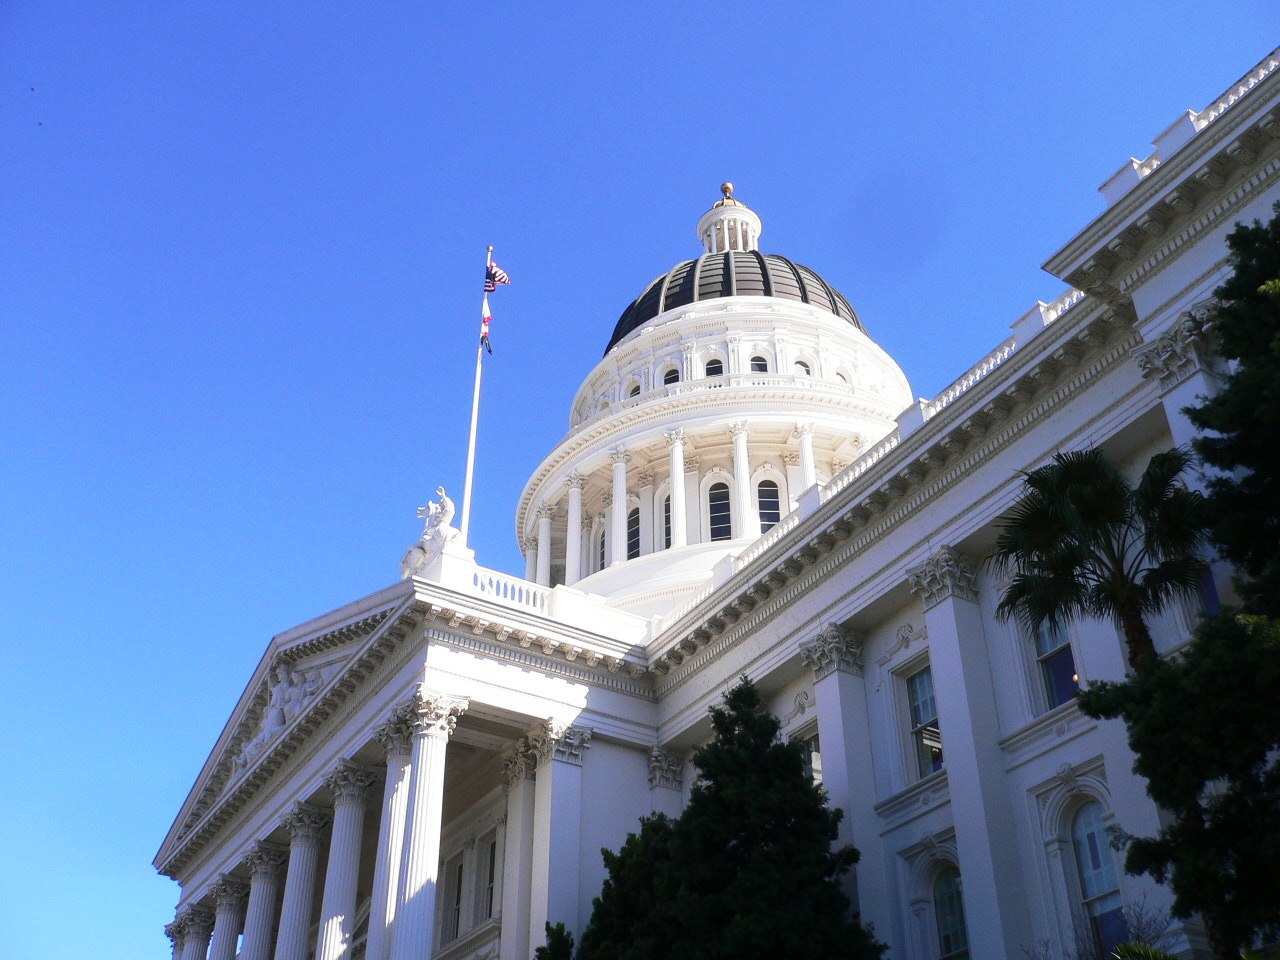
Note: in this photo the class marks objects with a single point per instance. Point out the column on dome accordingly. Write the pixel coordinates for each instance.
(264, 861)
(350, 784)
(675, 440)
(573, 531)
(396, 737)
(228, 919)
(304, 823)
(665, 782)
(433, 719)
(530, 558)
(782, 353)
(645, 481)
(848, 775)
(197, 928)
(996, 918)
(744, 505)
(557, 827)
(618, 509)
(517, 854)
(735, 354)
(808, 466)
(599, 529)
(544, 545)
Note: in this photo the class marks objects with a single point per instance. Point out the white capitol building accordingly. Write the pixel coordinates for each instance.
(747, 486)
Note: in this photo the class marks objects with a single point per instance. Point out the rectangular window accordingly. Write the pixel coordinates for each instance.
(926, 736)
(1057, 664)
(812, 756)
(490, 877)
(633, 533)
(453, 902)
(666, 523)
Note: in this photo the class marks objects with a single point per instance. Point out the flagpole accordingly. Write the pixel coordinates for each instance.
(475, 414)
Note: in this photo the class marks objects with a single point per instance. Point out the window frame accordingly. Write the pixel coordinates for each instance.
(1046, 694)
(670, 376)
(1084, 901)
(713, 513)
(766, 526)
(957, 952)
(916, 740)
(719, 368)
(759, 364)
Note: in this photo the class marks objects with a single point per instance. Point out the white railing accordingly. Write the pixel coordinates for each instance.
(860, 466)
(1247, 83)
(982, 369)
(779, 529)
(512, 591)
(1052, 311)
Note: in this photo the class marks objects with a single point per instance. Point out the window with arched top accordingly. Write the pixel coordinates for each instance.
(948, 914)
(600, 551)
(802, 369)
(770, 504)
(842, 377)
(666, 522)
(759, 365)
(633, 533)
(635, 390)
(715, 368)
(670, 377)
(1099, 884)
(718, 512)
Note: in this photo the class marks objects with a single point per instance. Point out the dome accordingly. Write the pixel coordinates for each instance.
(732, 273)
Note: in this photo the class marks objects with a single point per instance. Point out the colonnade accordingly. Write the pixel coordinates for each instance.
(578, 563)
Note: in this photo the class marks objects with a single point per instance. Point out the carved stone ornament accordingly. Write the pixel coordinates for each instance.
(290, 691)
(436, 714)
(674, 437)
(229, 892)
(520, 763)
(437, 533)
(834, 648)
(350, 783)
(264, 860)
(176, 933)
(304, 823)
(196, 923)
(664, 769)
(947, 573)
(559, 741)
(396, 734)
(1180, 351)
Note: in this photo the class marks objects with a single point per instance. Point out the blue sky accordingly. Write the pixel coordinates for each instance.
(239, 295)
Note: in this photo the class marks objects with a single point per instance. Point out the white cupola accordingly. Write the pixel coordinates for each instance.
(729, 225)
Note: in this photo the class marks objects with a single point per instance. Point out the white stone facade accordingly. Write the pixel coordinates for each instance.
(432, 770)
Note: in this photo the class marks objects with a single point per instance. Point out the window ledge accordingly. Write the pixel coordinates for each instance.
(1060, 725)
(481, 935)
(916, 800)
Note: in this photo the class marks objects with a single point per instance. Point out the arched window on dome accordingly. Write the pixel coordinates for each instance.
(635, 390)
(600, 551)
(802, 369)
(666, 522)
(759, 365)
(715, 368)
(670, 377)
(948, 913)
(842, 377)
(719, 512)
(633, 533)
(770, 504)
(1099, 886)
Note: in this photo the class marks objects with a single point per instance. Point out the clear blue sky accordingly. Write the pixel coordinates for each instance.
(239, 293)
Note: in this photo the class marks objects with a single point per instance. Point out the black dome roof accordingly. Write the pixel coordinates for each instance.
(732, 274)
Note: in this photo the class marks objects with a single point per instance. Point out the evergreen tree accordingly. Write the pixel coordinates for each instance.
(559, 945)
(1244, 416)
(628, 919)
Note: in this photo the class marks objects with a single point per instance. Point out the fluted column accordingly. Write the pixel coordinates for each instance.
(396, 737)
(304, 824)
(530, 558)
(808, 469)
(619, 506)
(228, 919)
(517, 859)
(748, 516)
(573, 532)
(350, 785)
(433, 720)
(675, 440)
(544, 546)
(264, 862)
(176, 931)
(197, 927)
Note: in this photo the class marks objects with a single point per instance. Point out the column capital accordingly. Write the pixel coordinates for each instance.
(304, 822)
(264, 859)
(196, 923)
(229, 891)
(664, 769)
(675, 437)
(803, 429)
(560, 741)
(176, 932)
(619, 456)
(520, 762)
(948, 573)
(1181, 350)
(738, 429)
(349, 783)
(396, 733)
(436, 714)
(574, 481)
(834, 648)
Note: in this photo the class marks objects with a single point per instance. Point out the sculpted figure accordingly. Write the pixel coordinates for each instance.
(436, 532)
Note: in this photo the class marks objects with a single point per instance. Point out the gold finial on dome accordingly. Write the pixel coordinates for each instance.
(727, 189)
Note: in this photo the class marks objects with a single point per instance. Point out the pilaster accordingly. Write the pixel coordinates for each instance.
(560, 750)
(665, 782)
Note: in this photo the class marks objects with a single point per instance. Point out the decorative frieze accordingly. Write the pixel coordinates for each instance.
(1182, 349)
(947, 573)
(664, 769)
(560, 741)
(834, 648)
(350, 783)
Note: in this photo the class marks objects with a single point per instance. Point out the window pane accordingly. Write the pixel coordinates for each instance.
(666, 522)
(920, 695)
(635, 391)
(715, 368)
(948, 911)
(670, 377)
(1061, 681)
(490, 876)
(759, 365)
(600, 552)
(1093, 853)
(770, 504)
(633, 534)
(802, 368)
(926, 735)
(718, 511)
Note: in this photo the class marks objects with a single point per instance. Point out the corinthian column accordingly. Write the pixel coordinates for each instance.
(433, 719)
(228, 919)
(573, 532)
(544, 546)
(197, 926)
(808, 469)
(675, 440)
(264, 862)
(619, 544)
(748, 517)
(396, 737)
(349, 784)
(304, 824)
(175, 932)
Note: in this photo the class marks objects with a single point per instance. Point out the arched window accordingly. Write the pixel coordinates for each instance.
(633, 533)
(715, 368)
(759, 365)
(718, 512)
(635, 391)
(1099, 888)
(770, 504)
(666, 522)
(670, 377)
(948, 913)
(802, 369)
(842, 377)
(600, 552)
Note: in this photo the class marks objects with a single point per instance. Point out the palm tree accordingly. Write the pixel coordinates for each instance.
(1084, 542)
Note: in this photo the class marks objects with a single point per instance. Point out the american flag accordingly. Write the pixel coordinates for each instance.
(493, 276)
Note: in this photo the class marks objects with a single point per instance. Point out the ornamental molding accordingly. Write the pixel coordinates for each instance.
(290, 692)
(396, 733)
(304, 823)
(835, 648)
(195, 923)
(176, 933)
(520, 762)
(350, 783)
(1182, 350)
(562, 742)
(435, 714)
(664, 769)
(265, 860)
(948, 573)
(229, 892)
